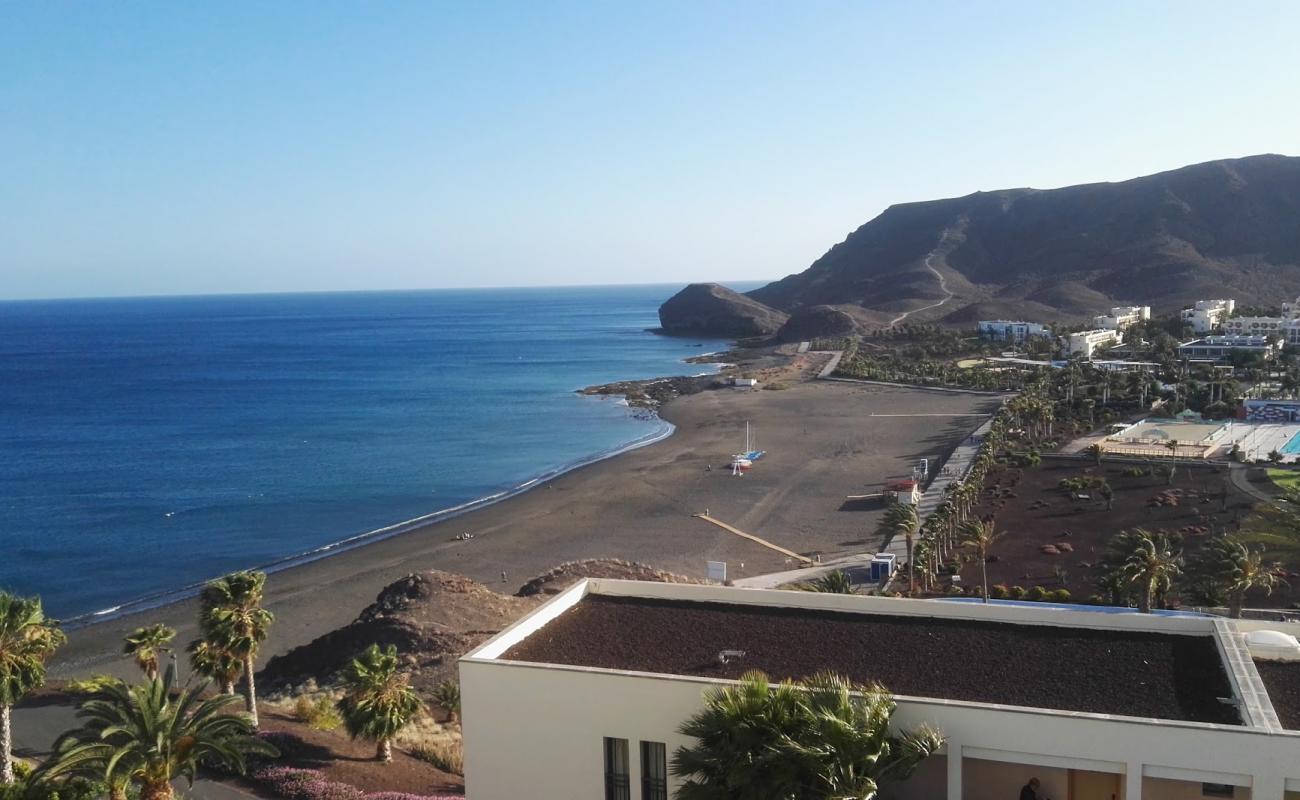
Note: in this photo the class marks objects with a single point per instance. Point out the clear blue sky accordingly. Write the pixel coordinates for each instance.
(182, 147)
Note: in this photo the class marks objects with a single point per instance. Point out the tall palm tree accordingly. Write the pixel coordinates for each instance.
(901, 520)
(818, 739)
(27, 640)
(378, 700)
(1233, 567)
(1148, 560)
(147, 645)
(980, 536)
(232, 619)
(217, 665)
(147, 736)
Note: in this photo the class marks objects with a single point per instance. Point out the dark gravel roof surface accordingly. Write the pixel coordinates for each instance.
(1165, 676)
(1282, 680)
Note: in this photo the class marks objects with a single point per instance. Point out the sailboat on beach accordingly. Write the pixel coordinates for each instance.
(743, 461)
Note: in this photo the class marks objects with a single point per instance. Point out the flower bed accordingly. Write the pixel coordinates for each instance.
(293, 783)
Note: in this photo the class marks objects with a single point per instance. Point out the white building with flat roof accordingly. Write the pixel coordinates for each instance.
(1121, 317)
(1221, 348)
(1003, 330)
(584, 698)
(1207, 315)
(1085, 343)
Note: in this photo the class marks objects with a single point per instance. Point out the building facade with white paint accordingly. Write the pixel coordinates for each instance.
(569, 727)
(1085, 343)
(1207, 315)
(1121, 317)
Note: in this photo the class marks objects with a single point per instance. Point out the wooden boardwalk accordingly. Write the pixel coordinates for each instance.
(754, 538)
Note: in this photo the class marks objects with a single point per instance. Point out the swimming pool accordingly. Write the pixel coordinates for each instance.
(1292, 446)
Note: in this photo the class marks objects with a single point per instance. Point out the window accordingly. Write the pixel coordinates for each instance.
(654, 771)
(1218, 790)
(616, 762)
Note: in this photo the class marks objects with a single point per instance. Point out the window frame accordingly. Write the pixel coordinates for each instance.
(618, 784)
(654, 770)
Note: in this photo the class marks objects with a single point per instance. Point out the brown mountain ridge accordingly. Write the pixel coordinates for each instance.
(1222, 228)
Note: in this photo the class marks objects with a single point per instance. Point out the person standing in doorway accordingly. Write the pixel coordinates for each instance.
(1030, 790)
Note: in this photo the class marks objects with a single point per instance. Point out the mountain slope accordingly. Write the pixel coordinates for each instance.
(1222, 228)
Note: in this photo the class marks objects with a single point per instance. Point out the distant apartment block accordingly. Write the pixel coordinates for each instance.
(1085, 343)
(1121, 317)
(1221, 348)
(1002, 330)
(1207, 315)
(585, 697)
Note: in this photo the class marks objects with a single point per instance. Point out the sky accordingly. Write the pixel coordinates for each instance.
(187, 148)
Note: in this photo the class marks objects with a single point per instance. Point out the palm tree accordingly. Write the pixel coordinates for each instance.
(1230, 565)
(210, 661)
(27, 640)
(232, 619)
(146, 645)
(817, 739)
(980, 536)
(1107, 493)
(447, 697)
(379, 700)
(834, 582)
(901, 519)
(1096, 451)
(148, 736)
(1148, 560)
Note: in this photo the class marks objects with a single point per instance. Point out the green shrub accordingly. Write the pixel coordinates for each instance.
(955, 591)
(319, 713)
(448, 756)
(1096, 600)
(997, 591)
(92, 685)
(1133, 472)
(1016, 593)
(1035, 594)
(1059, 595)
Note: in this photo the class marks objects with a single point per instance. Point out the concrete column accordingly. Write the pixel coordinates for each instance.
(954, 770)
(1133, 781)
(1267, 787)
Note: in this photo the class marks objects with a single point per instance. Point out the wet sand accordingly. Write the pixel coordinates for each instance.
(822, 444)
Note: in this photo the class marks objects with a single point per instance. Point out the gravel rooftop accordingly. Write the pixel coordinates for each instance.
(1282, 680)
(1163, 676)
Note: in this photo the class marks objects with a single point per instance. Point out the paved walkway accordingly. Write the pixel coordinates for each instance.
(955, 468)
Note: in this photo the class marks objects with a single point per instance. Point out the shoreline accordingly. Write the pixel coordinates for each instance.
(635, 505)
(140, 605)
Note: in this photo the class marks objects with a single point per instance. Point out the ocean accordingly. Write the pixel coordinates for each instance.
(149, 444)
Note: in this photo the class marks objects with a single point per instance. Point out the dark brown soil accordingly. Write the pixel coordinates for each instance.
(1282, 680)
(1136, 674)
(1029, 506)
(352, 762)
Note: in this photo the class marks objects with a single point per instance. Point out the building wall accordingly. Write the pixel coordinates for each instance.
(1166, 789)
(993, 780)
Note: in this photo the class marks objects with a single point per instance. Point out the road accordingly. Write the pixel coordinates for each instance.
(943, 282)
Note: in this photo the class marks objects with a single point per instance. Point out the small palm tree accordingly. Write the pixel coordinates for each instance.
(834, 582)
(1148, 560)
(980, 536)
(232, 619)
(147, 645)
(1107, 493)
(379, 700)
(27, 640)
(901, 520)
(820, 738)
(1096, 451)
(447, 697)
(147, 736)
(210, 661)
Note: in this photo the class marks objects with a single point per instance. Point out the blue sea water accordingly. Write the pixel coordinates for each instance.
(148, 444)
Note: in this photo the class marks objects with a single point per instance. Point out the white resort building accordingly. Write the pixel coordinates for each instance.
(1208, 315)
(1002, 330)
(1085, 343)
(1221, 348)
(584, 697)
(1121, 317)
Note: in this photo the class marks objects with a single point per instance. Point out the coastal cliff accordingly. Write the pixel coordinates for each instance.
(710, 309)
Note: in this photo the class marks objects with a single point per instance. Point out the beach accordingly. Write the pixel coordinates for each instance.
(824, 441)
